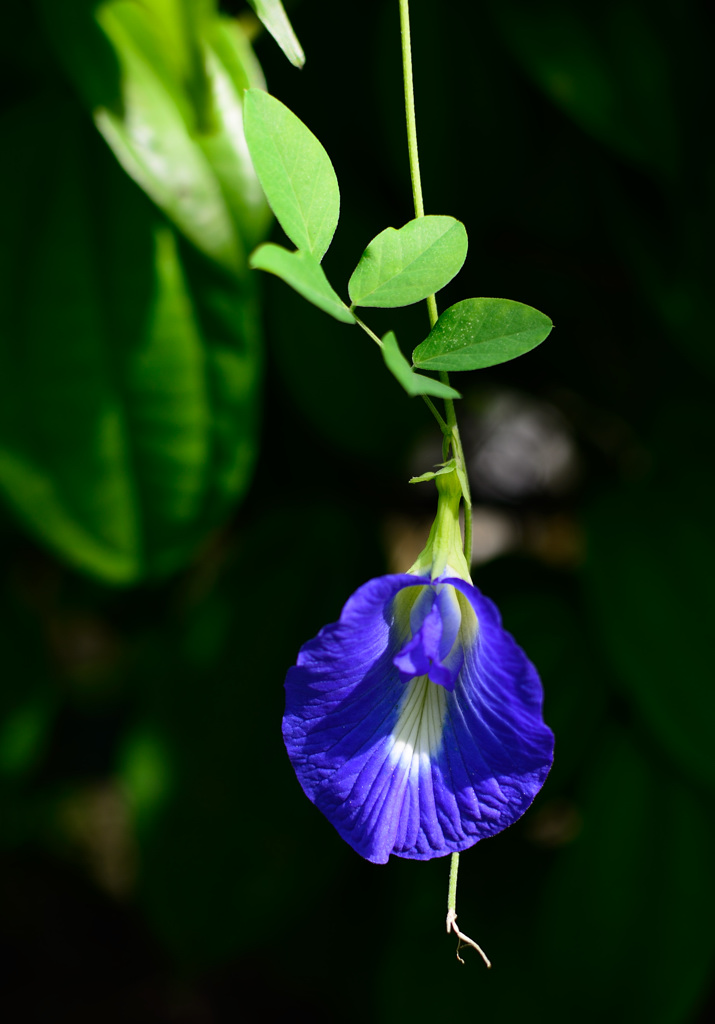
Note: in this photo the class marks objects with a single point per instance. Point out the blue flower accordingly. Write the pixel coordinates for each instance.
(414, 722)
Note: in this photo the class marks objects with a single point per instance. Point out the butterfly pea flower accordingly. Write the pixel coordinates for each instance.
(414, 723)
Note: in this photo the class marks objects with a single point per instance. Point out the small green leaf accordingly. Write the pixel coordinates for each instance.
(303, 273)
(477, 333)
(405, 265)
(413, 383)
(448, 467)
(275, 20)
(461, 471)
(295, 172)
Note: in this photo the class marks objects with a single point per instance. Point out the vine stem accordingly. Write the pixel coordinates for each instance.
(450, 429)
(444, 427)
(365, 328)
(410, 111)
(418, 200)
(464, 940)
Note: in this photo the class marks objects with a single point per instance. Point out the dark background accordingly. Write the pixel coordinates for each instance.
(158, 861)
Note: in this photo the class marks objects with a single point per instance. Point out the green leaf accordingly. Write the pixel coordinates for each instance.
(129, 364)
(477, 333)
(413, 383)
(172, 118)
(232, 68)
(295, 172)
(405, 265)
(275, 19)
(303, 273)
(461, 471)
(180, 29)
(448, 467)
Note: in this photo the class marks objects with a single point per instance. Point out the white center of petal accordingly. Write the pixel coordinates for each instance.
(417, 733)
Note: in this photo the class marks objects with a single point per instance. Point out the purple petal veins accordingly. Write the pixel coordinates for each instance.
(414, 722)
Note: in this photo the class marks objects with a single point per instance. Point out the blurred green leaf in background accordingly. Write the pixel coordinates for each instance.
(131, 355)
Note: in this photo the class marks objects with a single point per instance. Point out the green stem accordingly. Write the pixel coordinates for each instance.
(410, 109)
(464, 940)
(444, 427)
(450, 429)
(411, 121)
(452, 894)
(366, 328)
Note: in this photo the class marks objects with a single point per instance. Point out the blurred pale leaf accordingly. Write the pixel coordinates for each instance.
(273, 15)
(174, 123)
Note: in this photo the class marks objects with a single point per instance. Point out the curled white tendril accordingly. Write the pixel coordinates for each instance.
(464, 940)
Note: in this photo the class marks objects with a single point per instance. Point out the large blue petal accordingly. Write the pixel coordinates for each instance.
(408, 767)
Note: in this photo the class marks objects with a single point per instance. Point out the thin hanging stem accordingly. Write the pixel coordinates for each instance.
(365, 328)
(417, 197)
(410, 108)
(444, 427)
(464, 940)
(412, 133)
(450, 431)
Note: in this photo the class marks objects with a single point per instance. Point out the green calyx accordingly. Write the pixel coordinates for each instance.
(443, 554)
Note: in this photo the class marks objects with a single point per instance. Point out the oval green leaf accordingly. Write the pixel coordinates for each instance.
(295, 172)
(303, 273)
(413, 383)
(477, 333)
(405, 265)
